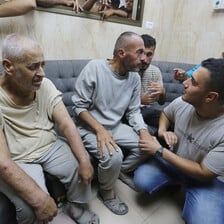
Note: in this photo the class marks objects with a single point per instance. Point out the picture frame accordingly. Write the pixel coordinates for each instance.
(136, 20)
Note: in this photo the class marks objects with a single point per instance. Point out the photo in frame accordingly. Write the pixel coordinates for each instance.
(135, 20)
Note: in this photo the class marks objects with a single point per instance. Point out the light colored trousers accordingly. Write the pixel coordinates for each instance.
(109, 166)
(58, 161)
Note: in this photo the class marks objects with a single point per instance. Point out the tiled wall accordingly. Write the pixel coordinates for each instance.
(186, 31)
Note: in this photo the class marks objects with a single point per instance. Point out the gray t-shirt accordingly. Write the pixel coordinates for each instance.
(199, 139)
(107, 96)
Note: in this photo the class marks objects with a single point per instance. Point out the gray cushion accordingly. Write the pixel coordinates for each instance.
(63, 74)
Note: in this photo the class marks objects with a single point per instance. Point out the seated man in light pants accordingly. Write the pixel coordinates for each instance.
(106, 90)
(30, 106)
(196, 156)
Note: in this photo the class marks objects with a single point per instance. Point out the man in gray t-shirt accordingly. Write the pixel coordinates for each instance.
(194, 154)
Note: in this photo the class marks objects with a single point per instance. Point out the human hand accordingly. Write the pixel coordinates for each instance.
(149, 146)
(145, 135)
(104, 14)
(75, 5)
(105, 2)
(169, 137)
(105, 140)
(86, 172)
(147, 99)
(180, 74)
(157, 88)
(46, 211)
(154, 90)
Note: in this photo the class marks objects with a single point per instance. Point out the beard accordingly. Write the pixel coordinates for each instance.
(143, 66)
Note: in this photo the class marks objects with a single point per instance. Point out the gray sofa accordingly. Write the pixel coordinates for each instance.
(63, 73)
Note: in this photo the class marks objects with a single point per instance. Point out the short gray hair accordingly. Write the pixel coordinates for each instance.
(15, 45)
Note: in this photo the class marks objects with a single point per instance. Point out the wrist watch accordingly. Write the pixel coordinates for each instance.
(159, 152)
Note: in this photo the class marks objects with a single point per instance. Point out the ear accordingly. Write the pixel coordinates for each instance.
(211, 97)
(8, 66)
(121, 52)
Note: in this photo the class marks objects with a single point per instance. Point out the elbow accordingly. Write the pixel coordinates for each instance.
(32, 5)
(205, 175)
(5, 165)
(203, 178)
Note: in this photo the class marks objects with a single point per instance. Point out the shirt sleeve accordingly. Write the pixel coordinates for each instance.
(169, 110)
(84, 88)
(51, 95)
(214, 160)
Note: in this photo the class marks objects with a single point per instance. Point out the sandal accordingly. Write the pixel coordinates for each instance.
(87, 216)
(115, 205)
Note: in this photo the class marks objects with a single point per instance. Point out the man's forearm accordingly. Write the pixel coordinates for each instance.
(16, 178)
(16, 7)
(24, 185)
(191, 168)
(50, 3)
(90, 120)
(163, 123)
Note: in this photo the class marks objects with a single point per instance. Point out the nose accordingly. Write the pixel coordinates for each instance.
(143, 57)
(40, 72)
(185, 83)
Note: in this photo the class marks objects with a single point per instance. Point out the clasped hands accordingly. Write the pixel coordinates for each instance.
(152, 146)
(154, 90)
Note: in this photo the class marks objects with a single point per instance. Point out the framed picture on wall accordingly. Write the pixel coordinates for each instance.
(132, 8)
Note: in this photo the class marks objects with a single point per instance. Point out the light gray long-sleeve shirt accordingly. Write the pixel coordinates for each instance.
(107, 96)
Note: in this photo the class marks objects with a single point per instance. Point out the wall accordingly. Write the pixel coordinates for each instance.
(186, 31)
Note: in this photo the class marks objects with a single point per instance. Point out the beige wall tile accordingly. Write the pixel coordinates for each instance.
(186, 31)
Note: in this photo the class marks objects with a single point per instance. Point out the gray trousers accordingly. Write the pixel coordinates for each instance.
(126, 159)
(58, 161)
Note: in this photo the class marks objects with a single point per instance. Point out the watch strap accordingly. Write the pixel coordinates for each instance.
(159, 152)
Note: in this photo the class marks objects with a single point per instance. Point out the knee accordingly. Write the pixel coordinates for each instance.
(141, 180)
(25, 215)
(113, 162)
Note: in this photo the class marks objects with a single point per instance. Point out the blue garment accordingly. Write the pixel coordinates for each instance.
(191, 71)
(204, 201)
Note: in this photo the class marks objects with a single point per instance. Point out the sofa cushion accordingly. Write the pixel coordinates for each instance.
(63, 73)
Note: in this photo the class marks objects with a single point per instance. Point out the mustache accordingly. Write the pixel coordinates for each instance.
(144, 64)
(38, 78)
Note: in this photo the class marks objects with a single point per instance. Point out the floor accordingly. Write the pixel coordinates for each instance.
(143, 209)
